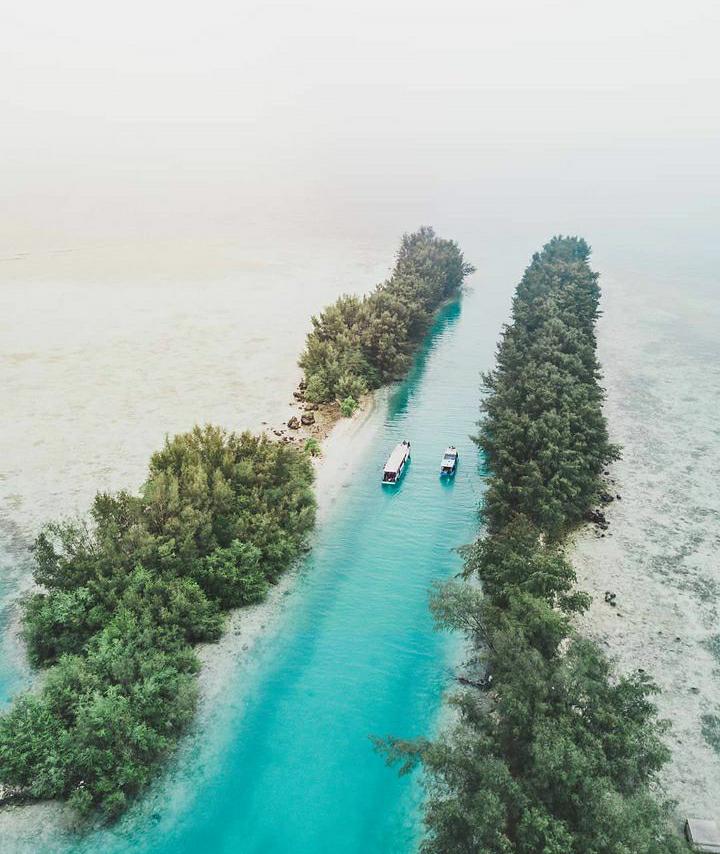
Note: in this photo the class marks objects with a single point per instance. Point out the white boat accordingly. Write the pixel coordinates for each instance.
(448, 466)
(397, 463)
(702, 834)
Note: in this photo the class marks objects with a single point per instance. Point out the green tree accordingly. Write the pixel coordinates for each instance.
(359, 344)
(553, 752)
(126, 594)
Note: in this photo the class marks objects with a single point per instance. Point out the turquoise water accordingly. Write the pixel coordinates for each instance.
(356, 653)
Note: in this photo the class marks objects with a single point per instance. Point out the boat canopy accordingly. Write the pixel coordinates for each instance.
(395, 460)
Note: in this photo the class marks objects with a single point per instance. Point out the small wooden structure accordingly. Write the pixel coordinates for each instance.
(703, 835)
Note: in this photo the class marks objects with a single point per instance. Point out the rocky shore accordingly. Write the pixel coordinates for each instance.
(307, 420)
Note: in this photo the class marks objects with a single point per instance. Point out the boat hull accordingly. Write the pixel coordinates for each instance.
(399, 476)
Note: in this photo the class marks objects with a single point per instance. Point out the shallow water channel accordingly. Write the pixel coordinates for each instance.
(355, 653)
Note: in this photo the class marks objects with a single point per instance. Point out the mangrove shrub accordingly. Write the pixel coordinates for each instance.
(123, 597)
(358, 344)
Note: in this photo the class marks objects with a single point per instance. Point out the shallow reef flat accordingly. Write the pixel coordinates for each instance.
(661, 359)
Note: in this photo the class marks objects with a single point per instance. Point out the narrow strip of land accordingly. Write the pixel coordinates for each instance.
(124, 595)
(553, 751)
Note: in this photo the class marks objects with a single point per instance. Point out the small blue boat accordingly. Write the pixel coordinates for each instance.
(448, 466)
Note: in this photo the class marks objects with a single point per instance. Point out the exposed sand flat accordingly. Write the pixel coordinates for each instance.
(661, 361)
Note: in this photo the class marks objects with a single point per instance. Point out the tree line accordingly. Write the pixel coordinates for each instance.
(125, 595)
(359, 343)
(553, 752)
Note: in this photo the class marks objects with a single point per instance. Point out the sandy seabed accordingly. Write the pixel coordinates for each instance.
(661, 360)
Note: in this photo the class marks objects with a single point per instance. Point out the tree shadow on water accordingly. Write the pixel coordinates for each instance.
(446, 318)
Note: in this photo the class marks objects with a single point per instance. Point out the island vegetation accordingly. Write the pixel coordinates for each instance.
(360, 343)
(125, 595)
(552, 750)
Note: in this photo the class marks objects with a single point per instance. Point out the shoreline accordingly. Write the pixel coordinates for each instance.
(27, 825)
(250, 623)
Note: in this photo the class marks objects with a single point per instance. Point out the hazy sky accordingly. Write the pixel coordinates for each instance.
(171, 119)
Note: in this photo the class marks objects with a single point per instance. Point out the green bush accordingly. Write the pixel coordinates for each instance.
(317, 389)
(126, 595)
(348, 406)
(312, 447)
(359, 344)
(350, 386)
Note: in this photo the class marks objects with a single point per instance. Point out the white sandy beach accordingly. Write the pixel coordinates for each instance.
(245, 626)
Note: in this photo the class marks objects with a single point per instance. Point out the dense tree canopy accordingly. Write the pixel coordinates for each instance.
(552, 753)
(359, 344)
(544, 436)
(125, 595)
